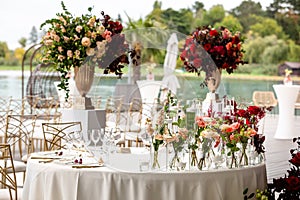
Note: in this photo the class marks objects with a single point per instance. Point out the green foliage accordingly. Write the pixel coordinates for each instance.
(214, 15)
(267, 26)
(276, 53)
(294, 52)
(244, 12)
(22, 41)
(33, 38)
(231, 23)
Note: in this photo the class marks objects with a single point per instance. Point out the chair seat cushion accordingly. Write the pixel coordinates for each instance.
(4, 194)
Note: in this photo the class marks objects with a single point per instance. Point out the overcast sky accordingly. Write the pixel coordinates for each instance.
(17, 17)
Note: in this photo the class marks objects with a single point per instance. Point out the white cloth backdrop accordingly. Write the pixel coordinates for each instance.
(169, 79)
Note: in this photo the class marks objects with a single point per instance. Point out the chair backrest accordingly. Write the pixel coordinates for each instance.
(135, 115)
(18, 133)
(4, 103)
(7, 171)
(57, 134)
(264, 99)
(113, 108)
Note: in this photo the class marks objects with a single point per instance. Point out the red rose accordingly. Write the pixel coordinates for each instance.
(254, 110)
(292, 183)
(296, 159)
(242, 113)
(235, 39)
(213, 32)
(220, 50)
(207, 47)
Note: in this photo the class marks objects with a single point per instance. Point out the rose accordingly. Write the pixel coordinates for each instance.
(293, 183)
(200, 122)
(86, 42)
(254, 110)
(296, 159)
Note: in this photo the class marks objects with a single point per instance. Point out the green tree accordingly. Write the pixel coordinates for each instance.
(282, 6)
(19, 53)
(213, 15)
(287, 14)
(3, 49)
(266, 26)
(254, 47)
(22, 41)
(294, 52)
(266, 50)
(33, 38)
(244, 12)
(276, 53)
(231, 23)
(199, 13)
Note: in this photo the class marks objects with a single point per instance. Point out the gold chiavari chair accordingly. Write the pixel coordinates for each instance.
(57, 134)
(9, 188)
(97, 101)
(113, 108)
(4, 103)
(18, 133)
(3, 118)
(134, 127)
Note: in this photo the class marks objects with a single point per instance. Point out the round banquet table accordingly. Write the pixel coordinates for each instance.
(48, 181)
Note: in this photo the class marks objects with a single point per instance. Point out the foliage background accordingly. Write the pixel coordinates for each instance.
(272, 35)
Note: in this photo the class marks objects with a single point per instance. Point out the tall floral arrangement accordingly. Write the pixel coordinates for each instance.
(222, 46)
(71, 41)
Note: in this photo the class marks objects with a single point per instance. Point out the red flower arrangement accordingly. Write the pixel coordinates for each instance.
(288, 186)
(224, 48)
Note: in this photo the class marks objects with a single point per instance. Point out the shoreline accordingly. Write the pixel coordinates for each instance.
(225, 76)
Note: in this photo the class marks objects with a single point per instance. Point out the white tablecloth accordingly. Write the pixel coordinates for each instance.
(55, 181)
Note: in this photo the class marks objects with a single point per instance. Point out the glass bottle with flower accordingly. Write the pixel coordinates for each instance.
(248, 119)
(229, 134)
(209, 136)
(195, 140)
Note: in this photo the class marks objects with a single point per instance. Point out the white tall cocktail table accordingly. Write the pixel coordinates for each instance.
(286, 95)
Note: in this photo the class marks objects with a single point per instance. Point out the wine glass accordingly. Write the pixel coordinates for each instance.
(95, 136)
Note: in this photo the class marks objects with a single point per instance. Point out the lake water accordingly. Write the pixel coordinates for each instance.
(11, 85)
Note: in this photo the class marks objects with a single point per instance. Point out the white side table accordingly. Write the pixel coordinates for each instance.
(286, 95)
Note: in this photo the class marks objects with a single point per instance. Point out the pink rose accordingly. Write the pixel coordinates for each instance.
(86, 42)
(78, 29)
